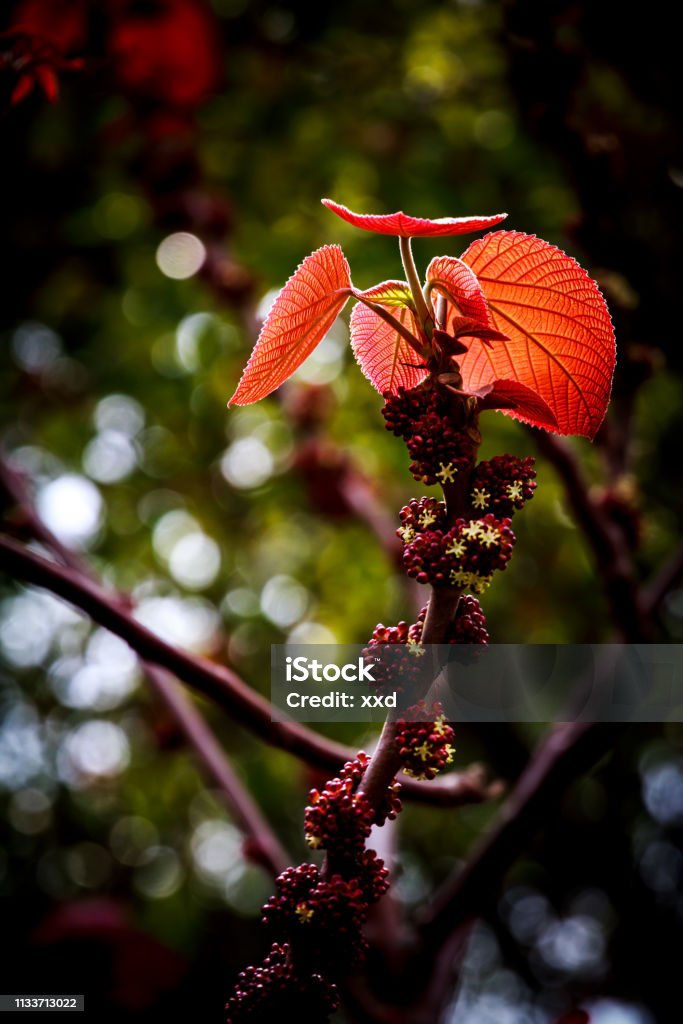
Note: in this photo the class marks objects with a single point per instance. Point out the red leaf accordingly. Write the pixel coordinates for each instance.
(385, 357)
(168, 52)
(22, 89)
(463, 327)
(561, 338)
(410, 227)
(518, 400)
(454, 280)
(47, 80)
(300, 317)
(390, 293)
(63, 26)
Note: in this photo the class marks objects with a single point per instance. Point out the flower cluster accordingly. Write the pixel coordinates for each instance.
(468, 626)
(421, 514)
(317, 918)
(425, 743)
(320, 918)
(340, 818)
(277, 989)
(502, 485)
(465, 556)
(395, 654)
(423, 417)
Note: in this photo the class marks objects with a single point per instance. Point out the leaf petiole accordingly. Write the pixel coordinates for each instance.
(423, 313)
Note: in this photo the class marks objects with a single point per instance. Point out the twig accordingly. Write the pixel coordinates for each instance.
(668, 577)
(564, 753)
(615, 570)
(217, 682)
(265, 847)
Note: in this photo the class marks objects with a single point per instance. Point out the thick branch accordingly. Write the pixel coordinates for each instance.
(266, 846)
(217, 682)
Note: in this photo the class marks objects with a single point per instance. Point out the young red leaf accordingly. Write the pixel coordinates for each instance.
(22, 89)
(390, 293)
(517, 399)
(385, 356)
(561, 338)
(455, 281)
(463, 327)
(410, 227)
(300, 317)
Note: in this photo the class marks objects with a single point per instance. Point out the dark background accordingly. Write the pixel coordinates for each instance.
(120, 874)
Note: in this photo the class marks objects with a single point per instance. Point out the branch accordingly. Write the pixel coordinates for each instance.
(217, 682)
(568, 750)
(615, 569)
(668, 577)
(266, 848)
(363, 502)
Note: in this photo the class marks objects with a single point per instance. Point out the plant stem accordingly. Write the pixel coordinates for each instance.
(423, 313)
(443, 604)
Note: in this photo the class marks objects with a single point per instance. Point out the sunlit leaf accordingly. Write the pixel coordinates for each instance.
(385, 356)
(300, 317)
(390, 293)
(410, 227)
(455, 281)
(511, 396)
(561, 338)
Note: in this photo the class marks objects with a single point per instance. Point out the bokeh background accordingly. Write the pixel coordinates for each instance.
(149, 214)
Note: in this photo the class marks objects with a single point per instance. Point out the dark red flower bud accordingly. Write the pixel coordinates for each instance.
(502, 485)
(425, 743)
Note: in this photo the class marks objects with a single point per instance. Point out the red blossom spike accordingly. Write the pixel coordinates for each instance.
(561, 341)
(300, 317)
(385, 356)
(425, 741)
(402, 225)
(421, 416)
